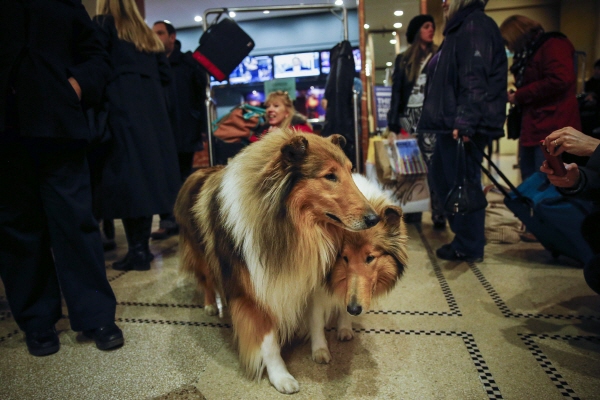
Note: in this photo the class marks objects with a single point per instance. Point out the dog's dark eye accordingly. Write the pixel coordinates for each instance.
(345, 258)
(331, 177)
(369, 259)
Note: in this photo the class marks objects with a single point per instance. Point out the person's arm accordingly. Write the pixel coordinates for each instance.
(394, 113)
(474, 56)
(91, 69)
(558, 73)
(572, 141)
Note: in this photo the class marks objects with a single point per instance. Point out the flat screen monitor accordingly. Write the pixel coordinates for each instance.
(296, 65)
(252, 69)
(326, 62)
(214, 82)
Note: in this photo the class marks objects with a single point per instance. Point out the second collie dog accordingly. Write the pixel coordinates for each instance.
(369, 265)
(264, 231)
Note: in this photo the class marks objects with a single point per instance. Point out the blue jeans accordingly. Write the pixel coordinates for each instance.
(530, 160)
(469, 237)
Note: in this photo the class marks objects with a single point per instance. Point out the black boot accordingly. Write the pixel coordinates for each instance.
(138, 257)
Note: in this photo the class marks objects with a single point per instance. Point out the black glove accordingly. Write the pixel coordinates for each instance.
(394, 128)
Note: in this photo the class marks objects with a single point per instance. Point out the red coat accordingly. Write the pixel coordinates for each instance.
(547, 95)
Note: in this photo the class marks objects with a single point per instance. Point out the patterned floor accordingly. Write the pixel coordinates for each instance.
(520, 325)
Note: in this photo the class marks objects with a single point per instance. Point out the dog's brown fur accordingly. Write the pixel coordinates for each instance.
(369, 265)
(264, 231)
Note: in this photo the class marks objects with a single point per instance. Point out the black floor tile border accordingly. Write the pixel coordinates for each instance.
(175, 323)
(485, 376)
(14, 333)
(164, 305)
(505, 310)
(556, 378)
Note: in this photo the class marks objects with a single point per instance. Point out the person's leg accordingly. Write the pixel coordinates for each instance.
(426, 143)
(469, 229)
(75, 236)
(469, 238)
(26, 263)
(530, 160)
(138, 256)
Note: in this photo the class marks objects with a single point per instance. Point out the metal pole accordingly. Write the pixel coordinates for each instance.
(357, 143)
(209, 99)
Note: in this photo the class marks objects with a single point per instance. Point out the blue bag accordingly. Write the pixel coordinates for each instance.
(553, 218)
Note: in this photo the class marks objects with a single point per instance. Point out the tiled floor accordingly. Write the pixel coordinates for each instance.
(520, 325)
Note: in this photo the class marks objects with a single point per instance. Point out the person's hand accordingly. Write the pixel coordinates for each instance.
(572, 141)
(570, 180)
(76, 87)
(465, 139)
(512, 97)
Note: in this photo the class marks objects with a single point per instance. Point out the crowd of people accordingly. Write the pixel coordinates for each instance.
(145, 118)
(99, 120)
(461, 92)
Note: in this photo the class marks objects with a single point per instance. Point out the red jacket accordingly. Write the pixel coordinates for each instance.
(547, 95)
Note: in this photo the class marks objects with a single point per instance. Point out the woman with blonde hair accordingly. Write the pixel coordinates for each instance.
(141, 175)
(545, 79)
(281, 114)
(408, 92)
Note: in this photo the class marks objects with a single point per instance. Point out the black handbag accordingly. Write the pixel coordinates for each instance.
(222, 48)
(513, 122)
(465, 197)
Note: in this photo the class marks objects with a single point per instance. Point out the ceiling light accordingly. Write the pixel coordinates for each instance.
(394, 33)
(366, 26)
(266, 12)
(389, 63)
(339, 2)
(167, 21)
(398, 13)
(197, 18)
(231, 14)
(393, 41)
(398, 25)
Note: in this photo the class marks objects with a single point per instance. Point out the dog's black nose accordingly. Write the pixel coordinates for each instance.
(371, 219)
(354, 309)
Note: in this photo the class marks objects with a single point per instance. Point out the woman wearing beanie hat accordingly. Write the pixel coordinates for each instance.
(408, 90)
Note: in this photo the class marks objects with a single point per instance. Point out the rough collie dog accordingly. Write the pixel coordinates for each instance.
(264, 231)
(369, 265)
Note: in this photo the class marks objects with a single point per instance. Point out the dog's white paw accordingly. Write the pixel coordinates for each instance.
(211, 309)
(345, 334)
(285, 384)
(321, 356)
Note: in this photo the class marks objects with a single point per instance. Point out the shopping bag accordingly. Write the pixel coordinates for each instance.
(383, 166)
(222, 48)
(465, 196)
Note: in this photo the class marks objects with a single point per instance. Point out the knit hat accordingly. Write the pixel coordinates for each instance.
(415, 25)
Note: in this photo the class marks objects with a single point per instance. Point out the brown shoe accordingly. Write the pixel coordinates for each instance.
(528, 237)
(163, 233)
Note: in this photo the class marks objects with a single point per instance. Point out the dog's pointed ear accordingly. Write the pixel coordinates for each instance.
(295, 149)
(392, 216)
(338, 140)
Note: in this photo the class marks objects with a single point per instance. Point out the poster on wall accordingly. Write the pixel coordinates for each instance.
(383, 98)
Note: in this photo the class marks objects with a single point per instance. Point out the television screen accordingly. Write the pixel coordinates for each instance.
(296, 65)
(326, 62)
(253, 69)
(214, 82)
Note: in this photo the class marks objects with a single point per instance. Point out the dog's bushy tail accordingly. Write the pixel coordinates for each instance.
(189, 233)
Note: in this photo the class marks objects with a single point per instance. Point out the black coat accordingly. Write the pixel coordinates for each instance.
(141, 175)
(36, 63)
(339, 116)
(187, 94)
(467, 78)
(401, 90)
